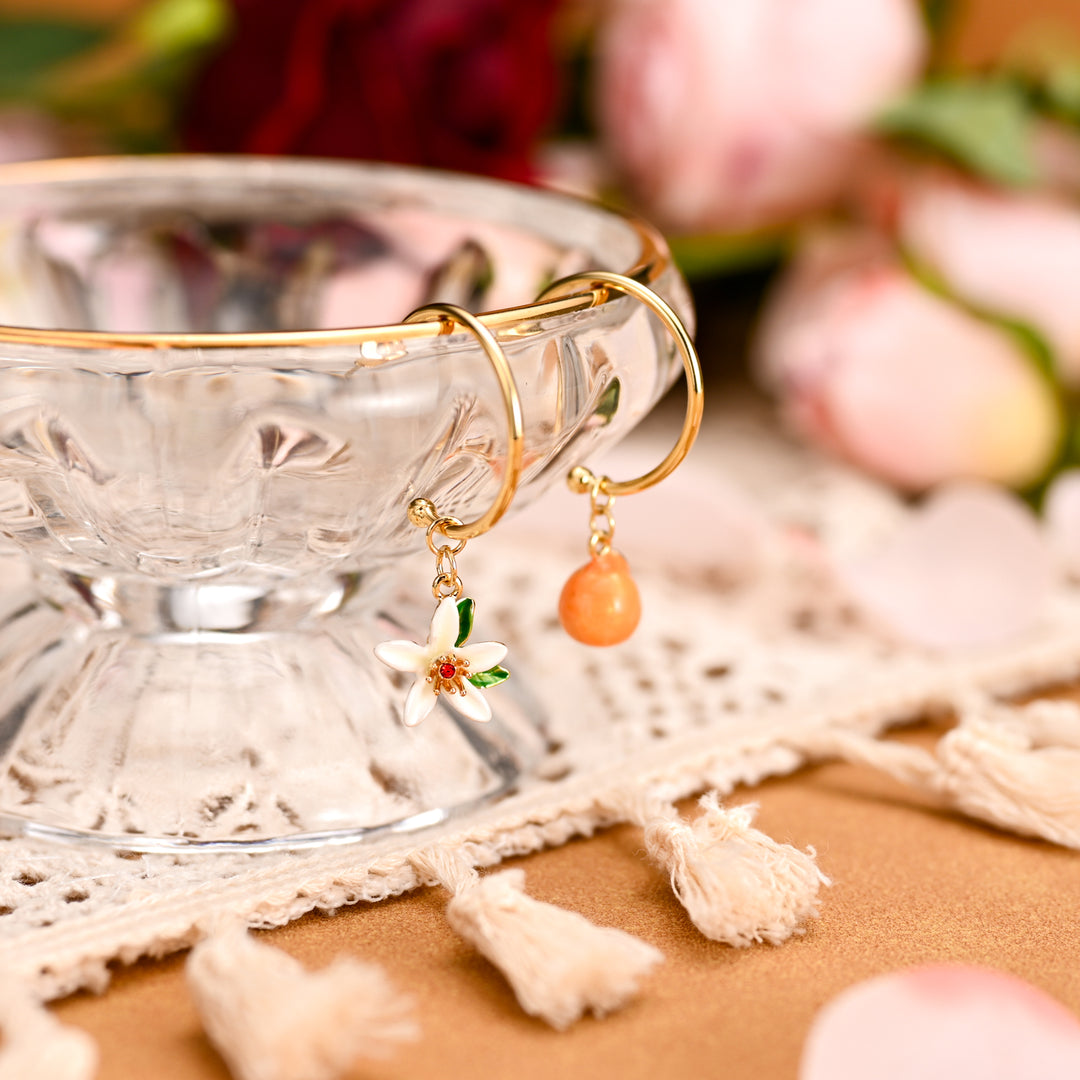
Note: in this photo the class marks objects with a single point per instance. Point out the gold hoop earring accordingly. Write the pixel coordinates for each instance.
(600, 603)
(446, 668)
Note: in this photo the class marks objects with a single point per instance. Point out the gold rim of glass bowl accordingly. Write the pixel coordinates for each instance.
(652, 261)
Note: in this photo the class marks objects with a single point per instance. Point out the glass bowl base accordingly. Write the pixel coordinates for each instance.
(231, 741)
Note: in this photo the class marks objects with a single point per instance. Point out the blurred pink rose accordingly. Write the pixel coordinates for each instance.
(740, 114)
(1057, 156)
(575, 167)
(1061, 512)
(1014, 254)
(871, 365)
(28, 136)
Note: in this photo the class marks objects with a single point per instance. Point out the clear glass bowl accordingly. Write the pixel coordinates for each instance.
(209, 471)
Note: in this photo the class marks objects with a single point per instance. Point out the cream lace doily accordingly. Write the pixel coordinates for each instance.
(744, 639)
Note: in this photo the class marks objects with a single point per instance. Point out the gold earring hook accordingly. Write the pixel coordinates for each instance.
(422, 511)
(601, 282)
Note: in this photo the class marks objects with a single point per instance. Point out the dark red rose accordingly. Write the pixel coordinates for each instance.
(457, 84)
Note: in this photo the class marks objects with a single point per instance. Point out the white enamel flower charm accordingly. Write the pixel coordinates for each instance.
(446, 667)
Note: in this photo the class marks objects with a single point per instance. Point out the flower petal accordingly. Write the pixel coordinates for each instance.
(970, 568)
(941, 1021)
(402, 655)
(482, 655)
(419, 703)
(472, 704)
(1061, 512)
(444, 627)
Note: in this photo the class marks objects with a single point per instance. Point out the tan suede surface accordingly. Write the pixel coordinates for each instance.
(912, 884)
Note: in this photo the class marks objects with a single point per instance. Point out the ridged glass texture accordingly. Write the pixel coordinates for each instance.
(213, 531)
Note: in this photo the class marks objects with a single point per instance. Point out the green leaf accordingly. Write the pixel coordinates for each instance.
(167, 27)
(1036, 350)
(983, 125)
(1072, 444)
(1031, 343)
(1027, 338)
(466, 609)
(705, 255)
(1062, 90)
(30, 48)
(492, 677)
(938, 15)
(928, 277)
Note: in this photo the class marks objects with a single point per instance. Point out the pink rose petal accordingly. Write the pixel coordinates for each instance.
(27, 135)
(741, 114)
(943, 1022)
(1056, 148)
(925, 392)
(1011, 253)
(970, 568)
(913, 389)
(1061, 511)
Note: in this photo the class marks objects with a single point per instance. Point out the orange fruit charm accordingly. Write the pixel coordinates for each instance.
(600, 604)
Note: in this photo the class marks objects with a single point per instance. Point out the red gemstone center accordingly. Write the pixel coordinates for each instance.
(447, 671)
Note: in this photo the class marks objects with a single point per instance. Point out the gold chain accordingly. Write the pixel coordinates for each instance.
(601, 520)
(446, 583)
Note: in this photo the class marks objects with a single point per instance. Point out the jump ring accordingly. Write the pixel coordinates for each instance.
(450, 582)
(422, 511)
(599, 544)
(602, 524)
(603, 502)
(445, 563)
(439, 527)
(601, 282)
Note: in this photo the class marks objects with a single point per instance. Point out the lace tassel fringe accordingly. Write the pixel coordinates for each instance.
(271, 1019)
(1017, 768)
(558, 964)
(36, 1044)
(737, 885)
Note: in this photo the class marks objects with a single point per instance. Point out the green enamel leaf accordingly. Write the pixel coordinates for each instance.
(492, 677)
(984, 125)
(466, 609)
